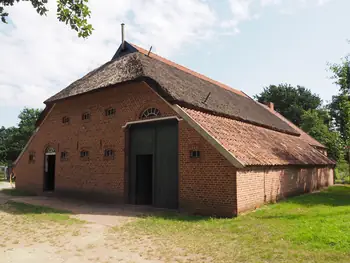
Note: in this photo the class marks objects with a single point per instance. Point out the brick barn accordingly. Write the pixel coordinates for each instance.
(143, 130)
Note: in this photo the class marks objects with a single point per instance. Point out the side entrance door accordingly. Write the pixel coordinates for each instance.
(49, 170)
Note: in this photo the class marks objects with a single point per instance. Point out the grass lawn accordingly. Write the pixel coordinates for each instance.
(344, 181)
(2, 177)
(39, 213)
(15, 192)
(309, 228)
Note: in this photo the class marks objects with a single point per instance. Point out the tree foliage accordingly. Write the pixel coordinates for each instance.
(290, 101)
(340, 107)
(329, 124)
(314, 124)
(72, 12)
(13, 139)
(341, 74)
(2, 144)
(340, 111)
(305, 110)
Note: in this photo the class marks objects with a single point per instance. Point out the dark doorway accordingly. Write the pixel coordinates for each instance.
(49, 179)
(144, 179)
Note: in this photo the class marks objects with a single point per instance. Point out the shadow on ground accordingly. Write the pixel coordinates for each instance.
(108, 213)
(22, 208)
(26, 203)
(15, 192)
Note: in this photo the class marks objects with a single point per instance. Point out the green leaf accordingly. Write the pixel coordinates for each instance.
(72, 12)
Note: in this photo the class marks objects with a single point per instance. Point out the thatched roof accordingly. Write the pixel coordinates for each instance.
(177, 86)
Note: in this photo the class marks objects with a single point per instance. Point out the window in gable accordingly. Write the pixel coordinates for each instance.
(150, 113)
(110, 112)
(86, 116)
(64, 156)
(84, 154)
(109, 153)
(65, 120)
(194, 154)
(32, 157)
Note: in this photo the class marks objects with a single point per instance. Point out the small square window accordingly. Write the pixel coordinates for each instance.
(32, 157)
(194, 154)
(110, 112)
(109, 153)
(86, 116)
(64, 156)
(84, 154)
(65, 120)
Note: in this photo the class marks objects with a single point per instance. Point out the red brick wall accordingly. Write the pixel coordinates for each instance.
(100, 132)
(207, 187)
(256, 186)
(208, 184)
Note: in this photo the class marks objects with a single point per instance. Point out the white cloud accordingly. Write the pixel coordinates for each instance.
(270, 2)
(40, 56)
(240, 9)
(322, 2)
(245, 10)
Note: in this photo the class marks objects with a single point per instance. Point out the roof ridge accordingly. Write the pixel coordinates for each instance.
(187, 70)
(236, 118)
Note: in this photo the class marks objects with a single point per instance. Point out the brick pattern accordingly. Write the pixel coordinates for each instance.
(256, 186)
(207, 188)
(208, 183)
(95, 174)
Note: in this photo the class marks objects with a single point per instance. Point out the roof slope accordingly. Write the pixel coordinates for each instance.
(249, 131)
(303, 135)
(254, 146)
(177, 86)
(196, 74)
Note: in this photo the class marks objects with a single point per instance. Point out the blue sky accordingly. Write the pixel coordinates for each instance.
(247, 44)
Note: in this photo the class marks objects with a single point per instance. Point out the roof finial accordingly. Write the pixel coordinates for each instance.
(149, 51)
(271, 105)
(123, 39)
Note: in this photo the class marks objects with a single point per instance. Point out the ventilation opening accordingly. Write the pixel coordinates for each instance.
(150, 113)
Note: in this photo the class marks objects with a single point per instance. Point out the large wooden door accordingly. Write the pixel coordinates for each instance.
(166, 166)
(154, 149)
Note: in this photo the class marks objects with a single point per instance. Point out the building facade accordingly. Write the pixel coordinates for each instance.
(128, 142)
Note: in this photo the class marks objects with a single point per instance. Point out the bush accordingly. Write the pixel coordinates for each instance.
(342, 172)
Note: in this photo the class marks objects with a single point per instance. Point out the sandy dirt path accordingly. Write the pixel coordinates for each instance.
(98, 239)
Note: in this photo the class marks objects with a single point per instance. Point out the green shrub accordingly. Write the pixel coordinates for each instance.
(342, 172)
